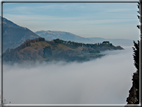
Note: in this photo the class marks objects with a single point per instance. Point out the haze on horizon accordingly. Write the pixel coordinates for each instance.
(106, 20)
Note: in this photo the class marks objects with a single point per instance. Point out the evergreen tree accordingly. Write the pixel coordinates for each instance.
(136, 55)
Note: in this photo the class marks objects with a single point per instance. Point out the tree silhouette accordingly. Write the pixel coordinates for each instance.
(136, 55)
(133, 97)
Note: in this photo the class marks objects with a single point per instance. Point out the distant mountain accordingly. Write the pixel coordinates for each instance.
(41, 50)
(50, 35)
(14, 35)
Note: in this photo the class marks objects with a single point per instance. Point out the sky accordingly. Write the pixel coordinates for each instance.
(106, 20)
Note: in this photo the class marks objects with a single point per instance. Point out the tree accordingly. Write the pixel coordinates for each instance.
(136, 55)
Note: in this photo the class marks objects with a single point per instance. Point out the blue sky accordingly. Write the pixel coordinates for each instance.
(107, 20)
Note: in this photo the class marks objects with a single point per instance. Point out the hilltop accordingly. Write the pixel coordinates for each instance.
(59, 50)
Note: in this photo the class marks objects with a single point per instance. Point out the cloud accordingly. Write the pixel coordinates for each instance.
(114, 21)
(83, 19)
(76, 20)
(120, 10)
(79, 26)
(102, 81)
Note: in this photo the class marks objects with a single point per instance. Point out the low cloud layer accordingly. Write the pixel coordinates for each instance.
(102, 81)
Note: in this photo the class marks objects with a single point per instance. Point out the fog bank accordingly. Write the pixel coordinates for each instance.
(106, 80)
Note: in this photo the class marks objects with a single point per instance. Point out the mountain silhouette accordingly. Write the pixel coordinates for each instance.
(14, 35)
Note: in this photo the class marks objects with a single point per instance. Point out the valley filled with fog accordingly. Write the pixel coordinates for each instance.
(105, 80)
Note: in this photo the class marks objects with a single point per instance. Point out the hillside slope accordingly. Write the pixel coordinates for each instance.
(14, 35)
(41, 50)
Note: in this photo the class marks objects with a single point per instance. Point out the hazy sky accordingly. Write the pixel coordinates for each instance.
(107, 20)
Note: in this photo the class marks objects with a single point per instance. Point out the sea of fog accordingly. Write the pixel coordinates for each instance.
(106, 80)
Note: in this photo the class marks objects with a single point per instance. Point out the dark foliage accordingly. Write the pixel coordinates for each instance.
(47, 52)
(105, 45)
(133, 97)
(136, 55)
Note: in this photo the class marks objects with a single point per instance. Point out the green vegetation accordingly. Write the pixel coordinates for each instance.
(105, 45)
(41, 50)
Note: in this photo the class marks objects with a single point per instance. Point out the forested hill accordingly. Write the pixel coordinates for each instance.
(41, 50)
(105, 45)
